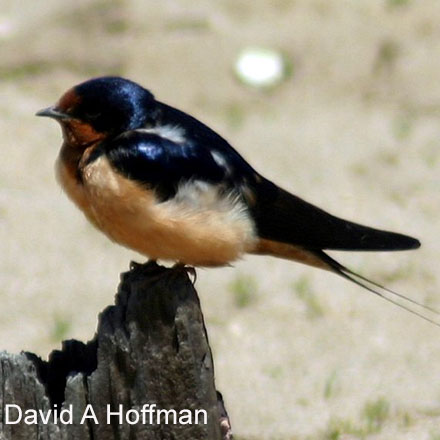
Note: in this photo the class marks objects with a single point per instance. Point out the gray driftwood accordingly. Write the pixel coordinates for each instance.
(151, 347)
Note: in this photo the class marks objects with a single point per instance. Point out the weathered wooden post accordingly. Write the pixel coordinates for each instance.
(150, 353)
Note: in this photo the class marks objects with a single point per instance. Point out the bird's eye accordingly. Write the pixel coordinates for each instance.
(92, 114)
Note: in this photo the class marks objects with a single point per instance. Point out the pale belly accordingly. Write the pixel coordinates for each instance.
(197, 227)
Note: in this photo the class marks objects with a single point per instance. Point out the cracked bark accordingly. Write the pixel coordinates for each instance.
(151, 347)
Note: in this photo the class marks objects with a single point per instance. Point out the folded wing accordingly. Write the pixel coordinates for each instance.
(283, 217)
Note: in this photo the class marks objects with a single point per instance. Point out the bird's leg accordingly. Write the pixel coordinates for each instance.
(190, 270)
(148, 266)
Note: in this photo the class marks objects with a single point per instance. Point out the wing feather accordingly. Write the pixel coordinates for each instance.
(164, 164)
(283, 217)
(161, 163)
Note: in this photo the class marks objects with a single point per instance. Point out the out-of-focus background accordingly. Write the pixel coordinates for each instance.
(352, 126)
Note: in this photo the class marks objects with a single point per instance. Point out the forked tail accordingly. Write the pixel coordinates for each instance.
(378, 289)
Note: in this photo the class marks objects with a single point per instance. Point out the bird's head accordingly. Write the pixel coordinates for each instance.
(100, 108)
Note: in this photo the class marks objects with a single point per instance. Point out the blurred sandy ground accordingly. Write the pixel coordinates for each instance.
(300, 354)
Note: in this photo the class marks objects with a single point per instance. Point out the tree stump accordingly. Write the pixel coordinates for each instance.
(150, 353)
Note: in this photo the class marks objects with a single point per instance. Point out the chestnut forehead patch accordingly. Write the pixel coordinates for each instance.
(68, 101)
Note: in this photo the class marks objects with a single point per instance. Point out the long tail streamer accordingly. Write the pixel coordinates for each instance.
(378, 289)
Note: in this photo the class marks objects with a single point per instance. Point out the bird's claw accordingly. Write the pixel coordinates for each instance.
(190, 270)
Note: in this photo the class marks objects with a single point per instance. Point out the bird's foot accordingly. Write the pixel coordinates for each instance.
(148, 266)
(190, 270)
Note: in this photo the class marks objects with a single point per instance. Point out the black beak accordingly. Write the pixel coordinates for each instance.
(52, 112)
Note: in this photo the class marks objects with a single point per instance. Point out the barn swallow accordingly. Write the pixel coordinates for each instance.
(158, 181)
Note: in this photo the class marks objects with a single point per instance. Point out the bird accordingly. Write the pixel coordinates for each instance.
(158, 181)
